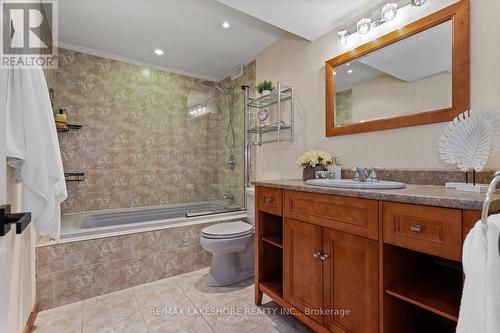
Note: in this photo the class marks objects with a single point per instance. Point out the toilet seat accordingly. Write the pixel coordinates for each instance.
(227, 230)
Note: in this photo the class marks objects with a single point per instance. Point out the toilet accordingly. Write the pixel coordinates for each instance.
(232, 248)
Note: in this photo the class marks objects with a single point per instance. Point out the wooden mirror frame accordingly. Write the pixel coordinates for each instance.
(458, 13)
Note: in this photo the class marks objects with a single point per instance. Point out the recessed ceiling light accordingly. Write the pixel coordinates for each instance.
(349, 71)
(225, 24)
(348, 64)
(334, 73)
(159, 52)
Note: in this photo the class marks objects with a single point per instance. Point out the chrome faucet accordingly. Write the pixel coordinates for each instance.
(362, 175)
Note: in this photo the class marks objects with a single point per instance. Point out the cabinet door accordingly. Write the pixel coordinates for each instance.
(350, 283)
(303, 267)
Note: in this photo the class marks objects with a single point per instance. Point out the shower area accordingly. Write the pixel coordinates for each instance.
(152, 146)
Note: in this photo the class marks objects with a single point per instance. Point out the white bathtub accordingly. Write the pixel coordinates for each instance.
(114, 222)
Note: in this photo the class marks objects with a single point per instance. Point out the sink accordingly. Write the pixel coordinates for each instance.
(351, 183)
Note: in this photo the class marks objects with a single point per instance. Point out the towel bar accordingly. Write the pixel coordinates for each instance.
(21, 220)
(486, 205)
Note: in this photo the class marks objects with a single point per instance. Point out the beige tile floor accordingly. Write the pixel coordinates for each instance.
(182, 303)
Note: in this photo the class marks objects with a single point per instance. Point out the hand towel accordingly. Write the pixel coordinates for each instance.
(480, 306)
(33, 149)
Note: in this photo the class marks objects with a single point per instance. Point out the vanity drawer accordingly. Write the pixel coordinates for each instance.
(352, 215)
(270, 200)
(432, 230)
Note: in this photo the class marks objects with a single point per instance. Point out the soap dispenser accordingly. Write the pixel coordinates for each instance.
(61, 120)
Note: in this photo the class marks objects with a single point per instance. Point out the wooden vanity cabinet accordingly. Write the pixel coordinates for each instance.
(303, 247)
(351, 265)
(350, 282)
(331, 276)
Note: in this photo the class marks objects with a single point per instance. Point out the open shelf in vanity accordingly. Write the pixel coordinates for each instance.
(438, 292)
(269, 249)
(418, 285)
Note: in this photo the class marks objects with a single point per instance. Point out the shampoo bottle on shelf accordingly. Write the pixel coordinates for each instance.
(61, 120)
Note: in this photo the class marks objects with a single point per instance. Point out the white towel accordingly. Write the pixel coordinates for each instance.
(480, 308)
(33, 149)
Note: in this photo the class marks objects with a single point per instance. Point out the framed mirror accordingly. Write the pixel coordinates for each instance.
(416, 75)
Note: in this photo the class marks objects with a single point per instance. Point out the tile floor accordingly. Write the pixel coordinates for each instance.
(182, 303)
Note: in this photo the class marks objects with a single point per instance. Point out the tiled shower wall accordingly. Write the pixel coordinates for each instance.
(137, 146)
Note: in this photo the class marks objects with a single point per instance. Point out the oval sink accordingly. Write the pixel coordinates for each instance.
(351, 183)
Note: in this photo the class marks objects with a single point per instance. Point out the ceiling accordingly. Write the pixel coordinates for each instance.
(308, 19)
(189, 31)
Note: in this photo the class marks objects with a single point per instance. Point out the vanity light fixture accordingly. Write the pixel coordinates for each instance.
(225, 25)
(389, 11)
(364, 25)
(382, 15)
(159, 52)
(417, 2)
(343, 37)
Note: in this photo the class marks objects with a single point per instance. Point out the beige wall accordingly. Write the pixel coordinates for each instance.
(301, 63)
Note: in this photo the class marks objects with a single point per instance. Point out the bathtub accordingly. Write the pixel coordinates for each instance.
(107, 223)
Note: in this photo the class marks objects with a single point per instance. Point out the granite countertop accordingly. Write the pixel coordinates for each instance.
(430, 195)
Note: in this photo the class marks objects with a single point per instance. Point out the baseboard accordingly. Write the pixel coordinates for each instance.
(31, 320)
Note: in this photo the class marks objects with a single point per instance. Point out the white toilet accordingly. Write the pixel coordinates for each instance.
(232, 248)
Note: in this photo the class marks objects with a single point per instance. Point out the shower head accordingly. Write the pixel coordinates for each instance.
(213, 84)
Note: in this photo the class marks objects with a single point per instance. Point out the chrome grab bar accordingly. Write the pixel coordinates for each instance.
(487, 201)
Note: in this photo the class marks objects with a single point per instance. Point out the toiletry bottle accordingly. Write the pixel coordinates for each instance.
(61, 120)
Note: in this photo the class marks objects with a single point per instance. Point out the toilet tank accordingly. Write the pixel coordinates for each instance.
(251, 205)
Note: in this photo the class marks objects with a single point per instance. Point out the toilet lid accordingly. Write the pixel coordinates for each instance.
(228, 230)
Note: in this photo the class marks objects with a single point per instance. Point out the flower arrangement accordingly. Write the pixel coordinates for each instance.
(315, 158)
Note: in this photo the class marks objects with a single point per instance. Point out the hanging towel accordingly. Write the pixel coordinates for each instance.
(480, 308)
(33, 149)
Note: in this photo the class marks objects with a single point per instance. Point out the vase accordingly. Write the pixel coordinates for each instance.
(265, 92)
(310, 173)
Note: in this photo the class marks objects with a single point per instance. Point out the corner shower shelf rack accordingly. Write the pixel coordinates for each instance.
(279, 125)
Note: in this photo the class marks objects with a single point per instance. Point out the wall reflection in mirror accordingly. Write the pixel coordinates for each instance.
(410, 76)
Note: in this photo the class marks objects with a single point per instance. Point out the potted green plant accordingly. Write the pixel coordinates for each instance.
(314, 160)
(265, 88)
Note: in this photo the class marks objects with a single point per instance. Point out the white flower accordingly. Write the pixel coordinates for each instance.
(315, 158)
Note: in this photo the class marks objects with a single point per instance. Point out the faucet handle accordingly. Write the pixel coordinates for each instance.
(372, 176)
(356, 174)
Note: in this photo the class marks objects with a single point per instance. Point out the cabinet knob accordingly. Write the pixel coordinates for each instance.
(317, 255)
(323, 257)
(268, 200)
(416, 228)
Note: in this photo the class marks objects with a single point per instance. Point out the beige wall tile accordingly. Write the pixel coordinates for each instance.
(45, 291)
(59, 257)
(135, 125)
(81, 283)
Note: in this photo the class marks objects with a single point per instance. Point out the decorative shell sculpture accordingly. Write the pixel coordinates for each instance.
(470, 139)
